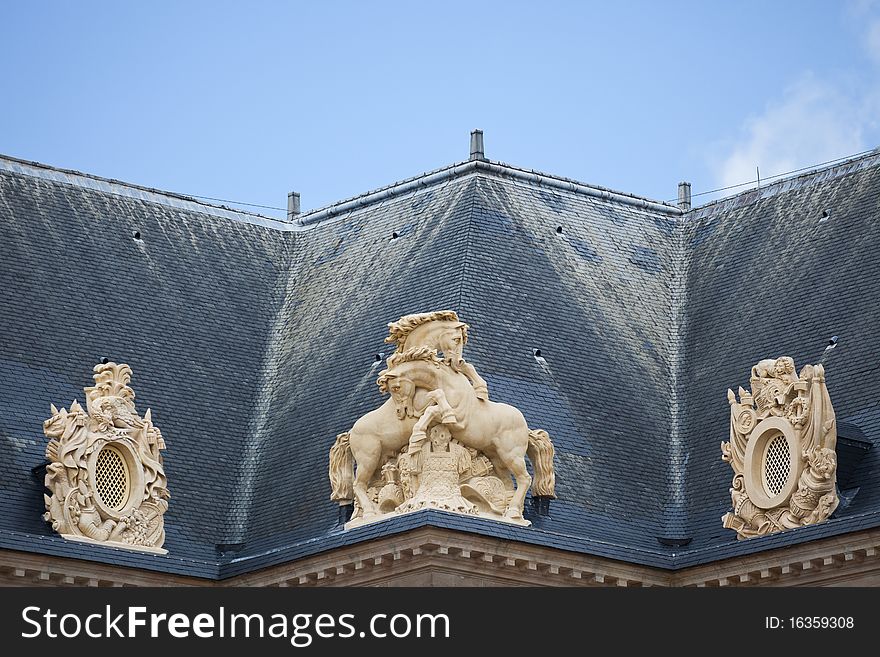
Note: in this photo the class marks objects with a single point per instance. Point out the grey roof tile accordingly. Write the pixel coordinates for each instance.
(254, 344)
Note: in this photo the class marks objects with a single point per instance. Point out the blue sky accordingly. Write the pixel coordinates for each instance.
(247, 101)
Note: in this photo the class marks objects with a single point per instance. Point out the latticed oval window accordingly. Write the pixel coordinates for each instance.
(777, 465)
(112, 478)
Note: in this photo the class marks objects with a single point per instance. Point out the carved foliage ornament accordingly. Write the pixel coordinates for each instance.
(439, 442)
(782, 449)
(105, 467)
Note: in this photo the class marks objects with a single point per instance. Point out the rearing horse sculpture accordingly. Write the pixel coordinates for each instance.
(425, 389)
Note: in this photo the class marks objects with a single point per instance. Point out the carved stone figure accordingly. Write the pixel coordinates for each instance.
(477, 447)
(782, 446)
(439, 465)
(105, 467)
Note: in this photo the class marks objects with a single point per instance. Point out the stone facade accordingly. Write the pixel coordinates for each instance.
(437, 557)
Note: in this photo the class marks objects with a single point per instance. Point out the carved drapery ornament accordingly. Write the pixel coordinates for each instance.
(782, 447)
(105, 468)
(439, 442)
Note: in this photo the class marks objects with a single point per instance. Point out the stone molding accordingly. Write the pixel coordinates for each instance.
(851, 560)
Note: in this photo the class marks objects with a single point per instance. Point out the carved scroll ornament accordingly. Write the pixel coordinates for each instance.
(438, 442)
(105, 468)
(782, 449)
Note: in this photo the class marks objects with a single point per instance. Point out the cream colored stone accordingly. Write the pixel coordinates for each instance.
(105, 468)
(442, 331)
(782, 449)
(438, 442)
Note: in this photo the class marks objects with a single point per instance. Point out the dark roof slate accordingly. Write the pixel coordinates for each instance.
(768, 275)
(189, 307)
(254, 343)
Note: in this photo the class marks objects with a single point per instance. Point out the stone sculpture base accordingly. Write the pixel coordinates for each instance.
(442, 475)
(358, 522)
(115, 544)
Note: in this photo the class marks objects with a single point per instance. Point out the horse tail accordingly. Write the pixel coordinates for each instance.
(540, 452)
(342, 470)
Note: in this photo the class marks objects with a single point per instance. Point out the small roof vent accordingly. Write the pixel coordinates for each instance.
(293, 206)
(684, 196)
(477, 150)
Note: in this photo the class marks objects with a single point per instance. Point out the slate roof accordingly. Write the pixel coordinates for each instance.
(254, 342)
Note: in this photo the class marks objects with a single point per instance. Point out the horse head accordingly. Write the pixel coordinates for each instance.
(407, 372)
(444, 336)
(402, 391)
(440, 330)
(450, 339)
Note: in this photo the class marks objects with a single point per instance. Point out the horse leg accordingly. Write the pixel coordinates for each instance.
(366, 468)
(447, 415)
(481, 388)
(502, 473)
(515, 460)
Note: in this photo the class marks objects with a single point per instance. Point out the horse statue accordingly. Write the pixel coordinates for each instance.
(426, 390)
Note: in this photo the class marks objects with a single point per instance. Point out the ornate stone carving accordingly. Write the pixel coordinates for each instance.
(105, 468)
(438, 442)
(782, 446)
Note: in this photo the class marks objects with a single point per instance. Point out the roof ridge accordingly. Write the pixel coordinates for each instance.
(460, 169)
(319, 215)
(635, 198)
(675, 521)
(117, 187)
(783, 182)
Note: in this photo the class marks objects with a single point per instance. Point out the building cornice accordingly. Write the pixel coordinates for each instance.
(397, 560)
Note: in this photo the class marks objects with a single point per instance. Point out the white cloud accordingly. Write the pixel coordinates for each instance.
(813, 122)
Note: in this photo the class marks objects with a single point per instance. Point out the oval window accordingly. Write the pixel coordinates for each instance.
(112, 478)
(777, 465)
(771, 466)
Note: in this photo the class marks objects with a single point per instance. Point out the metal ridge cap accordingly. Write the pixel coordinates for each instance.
(571, 185)
(314, 217)
(500, 169)
(131, 190)
(56, 545)
(778, 183)
(311, 546)
(388, 191)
